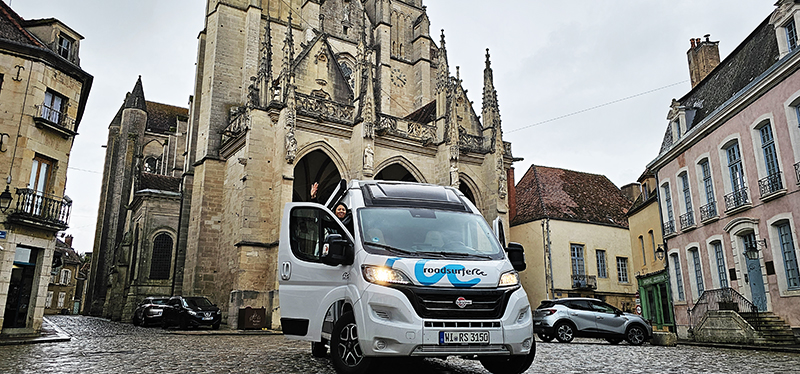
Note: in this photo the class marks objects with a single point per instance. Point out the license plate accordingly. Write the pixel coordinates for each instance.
(207, 318)
(463, 337)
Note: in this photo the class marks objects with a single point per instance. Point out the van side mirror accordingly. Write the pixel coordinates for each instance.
(516, 255)
(336, 251)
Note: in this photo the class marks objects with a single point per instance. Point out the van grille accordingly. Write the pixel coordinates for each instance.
(441, 303)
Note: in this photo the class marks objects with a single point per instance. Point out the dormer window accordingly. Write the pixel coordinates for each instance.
(791, 34)
(65, 46)
(676, 124)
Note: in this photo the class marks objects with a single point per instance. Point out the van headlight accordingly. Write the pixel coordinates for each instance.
(383, 275)
(510, 278)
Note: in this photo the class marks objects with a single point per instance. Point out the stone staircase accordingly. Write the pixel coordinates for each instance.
(773, 329)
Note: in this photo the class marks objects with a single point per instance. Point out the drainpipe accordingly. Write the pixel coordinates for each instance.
(548, 256)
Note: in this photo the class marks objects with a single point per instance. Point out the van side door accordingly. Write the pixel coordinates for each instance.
(308, 286)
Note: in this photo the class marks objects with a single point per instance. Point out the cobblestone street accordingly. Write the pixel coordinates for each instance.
(101, 346)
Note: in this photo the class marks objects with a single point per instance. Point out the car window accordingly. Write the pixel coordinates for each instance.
(159, 301)
(196, 301)
(603, 307)
(546, 304)
(578, 305)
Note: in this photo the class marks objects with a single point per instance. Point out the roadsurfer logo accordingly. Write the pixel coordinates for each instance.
(432, 275)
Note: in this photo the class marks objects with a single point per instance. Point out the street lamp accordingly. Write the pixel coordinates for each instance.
(751, 250)
(660, 252)
(5, 200)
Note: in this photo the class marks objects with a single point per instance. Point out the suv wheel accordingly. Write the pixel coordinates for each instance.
(635, 335)
(565, 332)
(544, 337)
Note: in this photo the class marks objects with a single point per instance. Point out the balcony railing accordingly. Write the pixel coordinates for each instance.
(669, 228)
(736, 199)
(797, 172)
(583, 281)
(55, 118)
(39, 209)
(687, 220)
(770, 184)
(708, 211)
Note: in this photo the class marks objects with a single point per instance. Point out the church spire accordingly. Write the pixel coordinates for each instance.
(136, 98)
(490, 106)
(288, 58)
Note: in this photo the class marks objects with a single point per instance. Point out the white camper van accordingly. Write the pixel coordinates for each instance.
(414, 270)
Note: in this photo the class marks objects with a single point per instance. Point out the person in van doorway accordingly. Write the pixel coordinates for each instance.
(343, 214)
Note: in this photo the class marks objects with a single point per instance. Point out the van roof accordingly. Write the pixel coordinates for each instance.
(413, 195)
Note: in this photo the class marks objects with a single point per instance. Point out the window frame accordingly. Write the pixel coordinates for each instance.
(63, 50)
(676, 265)
(722, 270)
(699, 285)
(52, 112)
(622, 270)
(65, 277)
(602, 266)
(578, 262)
(787, 246)
(161, 257)
(791, 34)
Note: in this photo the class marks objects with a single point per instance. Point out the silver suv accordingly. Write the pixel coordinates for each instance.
(568, 318)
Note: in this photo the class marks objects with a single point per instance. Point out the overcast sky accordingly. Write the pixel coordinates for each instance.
(583, 85)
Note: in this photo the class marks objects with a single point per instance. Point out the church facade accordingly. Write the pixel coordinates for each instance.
(289, 93)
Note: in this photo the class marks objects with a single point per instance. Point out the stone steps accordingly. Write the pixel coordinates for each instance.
(773, 328)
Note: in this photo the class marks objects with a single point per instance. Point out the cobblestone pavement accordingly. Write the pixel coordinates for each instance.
(101, 346)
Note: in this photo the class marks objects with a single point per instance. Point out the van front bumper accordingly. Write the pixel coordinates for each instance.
(390, 326)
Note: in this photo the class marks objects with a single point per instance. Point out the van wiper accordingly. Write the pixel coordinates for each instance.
(392, 249)
(454, 254)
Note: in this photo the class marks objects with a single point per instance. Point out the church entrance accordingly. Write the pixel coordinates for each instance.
(395, 172)
(314, 167)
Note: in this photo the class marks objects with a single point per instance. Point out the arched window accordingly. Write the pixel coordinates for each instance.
(151, 165)
(162, 257)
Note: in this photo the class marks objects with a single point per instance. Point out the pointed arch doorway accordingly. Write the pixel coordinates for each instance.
(315, 166)
(395, 172)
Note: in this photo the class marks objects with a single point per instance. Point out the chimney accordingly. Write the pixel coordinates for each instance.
(512, 195)
(703, 58)
(68, 241)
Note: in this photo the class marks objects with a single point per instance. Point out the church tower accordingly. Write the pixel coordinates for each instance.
(293, 92)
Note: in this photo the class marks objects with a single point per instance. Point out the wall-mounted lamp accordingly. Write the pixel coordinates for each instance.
(5, 200)
(660, 252)
(751, 250)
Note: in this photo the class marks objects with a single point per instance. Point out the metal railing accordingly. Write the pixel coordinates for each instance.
(687, 220)
(56, 117)
(708, 211)
(41, 207)
(721, 299)
(770, 184)
(584, 281)
(736, 199)
(669, 228)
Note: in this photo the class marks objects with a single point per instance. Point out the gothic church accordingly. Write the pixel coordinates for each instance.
(292, 92)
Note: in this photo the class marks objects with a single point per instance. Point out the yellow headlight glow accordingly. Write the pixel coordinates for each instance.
(384, 275)
(509, 279)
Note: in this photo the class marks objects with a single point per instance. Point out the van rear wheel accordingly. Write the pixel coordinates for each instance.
(346, 354)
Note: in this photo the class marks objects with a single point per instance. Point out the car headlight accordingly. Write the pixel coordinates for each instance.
(191, 312)
(383, 275)
(510, 278)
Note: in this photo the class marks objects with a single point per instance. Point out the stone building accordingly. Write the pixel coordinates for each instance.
(575, 234)
(62, 292)
(648, 255)
(292, 92)
(137, 224)
(728, 177)
(43, 93)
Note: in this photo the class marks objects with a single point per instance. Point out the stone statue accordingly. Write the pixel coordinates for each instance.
(369, 156)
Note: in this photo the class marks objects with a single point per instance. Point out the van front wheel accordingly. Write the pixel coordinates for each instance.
(346, 354)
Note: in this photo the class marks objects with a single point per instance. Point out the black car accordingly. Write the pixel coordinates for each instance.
(194, 311)
(149, 311)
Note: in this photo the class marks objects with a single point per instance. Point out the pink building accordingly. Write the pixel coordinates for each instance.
(729, 178)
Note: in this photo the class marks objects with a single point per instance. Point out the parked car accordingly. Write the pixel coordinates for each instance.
(190, 311)
(149, 311)
(568, 318)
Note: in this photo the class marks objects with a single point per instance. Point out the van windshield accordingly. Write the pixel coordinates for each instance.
(427, 233)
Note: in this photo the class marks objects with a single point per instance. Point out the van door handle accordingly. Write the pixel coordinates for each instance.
(286, 270)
